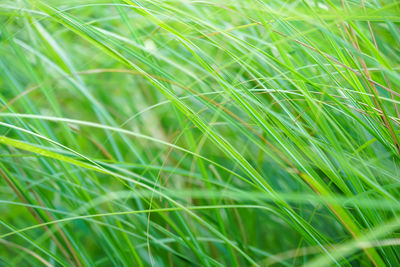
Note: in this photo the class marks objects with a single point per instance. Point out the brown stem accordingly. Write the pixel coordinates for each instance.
(36, 216)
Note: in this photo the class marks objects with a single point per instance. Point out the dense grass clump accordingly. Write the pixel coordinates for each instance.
(199, 133)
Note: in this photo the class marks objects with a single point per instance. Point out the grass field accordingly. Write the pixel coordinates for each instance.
(199, 133)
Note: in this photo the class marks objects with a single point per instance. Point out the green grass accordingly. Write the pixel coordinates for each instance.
(196, 133)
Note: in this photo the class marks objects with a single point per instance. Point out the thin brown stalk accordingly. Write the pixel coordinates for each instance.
(377, 48)
(353, 40)
(59, 230)
(35, 255)
(37, 217)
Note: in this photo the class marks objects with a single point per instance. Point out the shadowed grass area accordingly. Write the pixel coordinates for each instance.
(199, 133)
